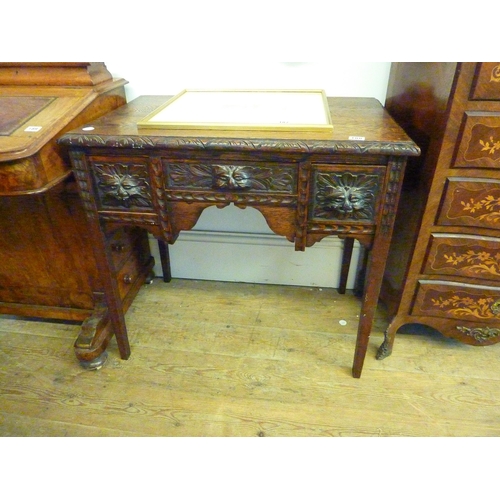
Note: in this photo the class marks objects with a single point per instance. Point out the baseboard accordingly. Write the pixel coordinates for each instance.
(255, 258)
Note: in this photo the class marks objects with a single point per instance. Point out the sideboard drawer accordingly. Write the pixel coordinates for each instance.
(471, 202)
(446, 299)
(487, 82)
(470, 256)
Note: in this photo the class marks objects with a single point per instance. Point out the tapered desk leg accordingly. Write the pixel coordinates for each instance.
(377, 257)
(165, 261)
(346, 264)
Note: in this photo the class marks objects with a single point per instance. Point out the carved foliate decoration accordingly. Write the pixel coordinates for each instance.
(122, 185)
(483, 334)
(231, 177)
(240, 145)
(345, 196)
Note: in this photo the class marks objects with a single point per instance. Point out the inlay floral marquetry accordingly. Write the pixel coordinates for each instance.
(263, 177)
(122, 184)
(476, 262)
(345, 195)
(485, 208)
(471, 202)
(484, 143)
(455, 300)
(468, 256)
(495, 74)
(460, 305)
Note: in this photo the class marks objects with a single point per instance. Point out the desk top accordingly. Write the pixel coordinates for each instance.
(360, 126)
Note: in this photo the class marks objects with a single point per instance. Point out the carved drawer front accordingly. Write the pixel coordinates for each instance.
(480, 143)
(211, 180)
(464, 255)
(487, 83)
(445, 299)
(345, 193)
(471, 202)
(121, 183)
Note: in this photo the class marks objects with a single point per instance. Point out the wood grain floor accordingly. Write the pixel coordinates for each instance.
(232, 359)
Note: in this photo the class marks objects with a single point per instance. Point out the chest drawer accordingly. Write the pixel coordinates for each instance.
(469, 256)
(445, 299)
(480, 143)
(487, 82)
(471, 202)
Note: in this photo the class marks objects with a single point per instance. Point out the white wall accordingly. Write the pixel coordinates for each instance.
(234, 244)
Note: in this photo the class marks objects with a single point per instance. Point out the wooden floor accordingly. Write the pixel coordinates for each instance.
(229, 359)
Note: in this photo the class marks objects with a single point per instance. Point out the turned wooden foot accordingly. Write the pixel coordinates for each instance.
(91, 344)
(96, 363)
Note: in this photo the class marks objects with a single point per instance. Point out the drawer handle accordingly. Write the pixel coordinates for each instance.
(127, 279)
(495, 307)
(118, 247)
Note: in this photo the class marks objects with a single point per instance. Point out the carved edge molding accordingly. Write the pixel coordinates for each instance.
(84, 183)
(396, 171)
(202, 143)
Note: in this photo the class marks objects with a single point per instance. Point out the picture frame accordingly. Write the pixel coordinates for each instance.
(278, 110)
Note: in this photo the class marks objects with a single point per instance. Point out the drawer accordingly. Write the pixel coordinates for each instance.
(346, 193)
(122, 243)
(463, 255)
(480, 142)
(486, 85)
(445, 299)
(471, 202)
(128, 275)
(121, 183)
(230, 176)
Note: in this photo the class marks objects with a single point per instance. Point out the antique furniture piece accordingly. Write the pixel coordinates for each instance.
(47, 266)
(307, 185)
(444, 267)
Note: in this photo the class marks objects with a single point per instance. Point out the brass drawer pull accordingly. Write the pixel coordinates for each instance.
(127, 279)
(495, 307)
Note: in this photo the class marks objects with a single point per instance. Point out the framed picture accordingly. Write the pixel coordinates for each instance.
(305, 110)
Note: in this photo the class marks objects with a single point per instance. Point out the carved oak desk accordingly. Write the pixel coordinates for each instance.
(307, 185)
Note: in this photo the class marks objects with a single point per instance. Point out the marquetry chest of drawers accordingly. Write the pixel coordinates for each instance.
(448, 224)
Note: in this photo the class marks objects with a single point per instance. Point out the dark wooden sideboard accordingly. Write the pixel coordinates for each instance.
(444, 267)
(307, 185)
(47, 266)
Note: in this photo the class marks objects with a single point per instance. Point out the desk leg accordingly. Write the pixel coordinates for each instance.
(346, 264)
(373, 283)
(112, 298)
(165, 261)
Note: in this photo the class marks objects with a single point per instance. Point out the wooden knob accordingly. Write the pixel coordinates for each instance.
(127, 279)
